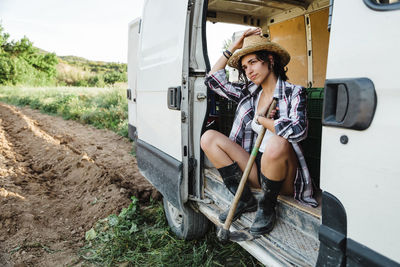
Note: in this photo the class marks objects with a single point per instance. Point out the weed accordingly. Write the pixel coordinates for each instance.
(139, 236)
(33, 245)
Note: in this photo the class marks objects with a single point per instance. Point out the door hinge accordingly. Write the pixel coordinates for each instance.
(183, 116)
(190, 4)
(196, 72)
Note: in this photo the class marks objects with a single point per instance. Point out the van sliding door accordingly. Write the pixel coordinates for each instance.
(359, 156)
(159, 96)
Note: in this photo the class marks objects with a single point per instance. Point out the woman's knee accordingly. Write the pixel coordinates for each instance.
(207, 139)
(277, 148)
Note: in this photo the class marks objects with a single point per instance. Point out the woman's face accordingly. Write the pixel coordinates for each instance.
(256, 70)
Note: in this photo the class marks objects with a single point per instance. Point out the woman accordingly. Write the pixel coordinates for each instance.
(279, 165)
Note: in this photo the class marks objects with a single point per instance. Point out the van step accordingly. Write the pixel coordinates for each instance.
(295, 236)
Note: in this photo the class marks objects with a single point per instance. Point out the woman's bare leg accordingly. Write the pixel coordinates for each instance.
(278, 168)
(279, 163)
(222, 151)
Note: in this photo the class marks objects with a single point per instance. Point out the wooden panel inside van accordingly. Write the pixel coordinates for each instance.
(291, 34)
(320, 42)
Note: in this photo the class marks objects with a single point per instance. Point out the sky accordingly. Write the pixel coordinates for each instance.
(93, 29)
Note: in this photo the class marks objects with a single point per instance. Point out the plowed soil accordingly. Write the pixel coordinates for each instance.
(57, 178)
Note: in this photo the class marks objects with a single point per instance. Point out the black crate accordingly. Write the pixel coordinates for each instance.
(222, 113)
(226, 112)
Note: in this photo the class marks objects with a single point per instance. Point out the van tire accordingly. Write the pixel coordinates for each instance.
(186, 225)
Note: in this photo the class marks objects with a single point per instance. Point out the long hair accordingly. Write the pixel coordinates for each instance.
(262, 55)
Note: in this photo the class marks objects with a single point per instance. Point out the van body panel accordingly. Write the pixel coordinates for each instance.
(161, 64)
(163, 171)
(133, 44)
(160, 67)
(364, 174)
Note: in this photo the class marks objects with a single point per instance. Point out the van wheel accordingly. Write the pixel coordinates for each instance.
(187, 225)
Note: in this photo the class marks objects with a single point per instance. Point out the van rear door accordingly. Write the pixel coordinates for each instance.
(133, 46)
(360, 144)
(160, 87)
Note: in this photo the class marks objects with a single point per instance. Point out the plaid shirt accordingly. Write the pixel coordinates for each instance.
(290, 122)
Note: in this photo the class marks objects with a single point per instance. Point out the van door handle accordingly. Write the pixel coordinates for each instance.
(349, 103)
(174, 98)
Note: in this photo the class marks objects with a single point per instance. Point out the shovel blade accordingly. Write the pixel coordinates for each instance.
(241, 235)
(235, 236)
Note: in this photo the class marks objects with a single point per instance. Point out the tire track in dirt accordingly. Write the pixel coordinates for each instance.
(57, 178)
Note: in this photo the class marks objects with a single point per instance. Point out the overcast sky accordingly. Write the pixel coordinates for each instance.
(93, 29)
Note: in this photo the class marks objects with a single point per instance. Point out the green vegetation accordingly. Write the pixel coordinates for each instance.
(139, 236)
(101, 107)
(23, 64)
(77, 71)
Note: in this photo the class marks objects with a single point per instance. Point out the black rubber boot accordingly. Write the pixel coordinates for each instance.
(266, 216)
(231, 176)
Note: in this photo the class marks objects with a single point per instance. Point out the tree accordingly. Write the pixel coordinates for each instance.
(21, 62)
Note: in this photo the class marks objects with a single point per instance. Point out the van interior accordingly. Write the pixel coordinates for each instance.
(303, 28)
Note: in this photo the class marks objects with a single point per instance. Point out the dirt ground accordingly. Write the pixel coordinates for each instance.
(57, 178)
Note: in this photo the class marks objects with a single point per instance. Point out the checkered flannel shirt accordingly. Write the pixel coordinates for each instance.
(290, 122)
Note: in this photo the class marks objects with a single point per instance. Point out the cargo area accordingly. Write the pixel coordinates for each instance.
(302, 27)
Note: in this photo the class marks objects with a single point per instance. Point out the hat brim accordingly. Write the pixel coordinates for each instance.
(271, 47)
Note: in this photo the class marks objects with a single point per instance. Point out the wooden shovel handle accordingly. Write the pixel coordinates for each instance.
(246, 172)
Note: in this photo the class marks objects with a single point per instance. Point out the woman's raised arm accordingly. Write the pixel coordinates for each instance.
(221, 62)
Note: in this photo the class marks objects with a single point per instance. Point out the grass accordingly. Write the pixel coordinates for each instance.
(139, 235)
(101, 107)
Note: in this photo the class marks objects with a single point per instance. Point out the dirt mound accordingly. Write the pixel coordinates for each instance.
(57, 178)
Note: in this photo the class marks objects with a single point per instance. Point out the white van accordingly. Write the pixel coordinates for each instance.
(346, 53)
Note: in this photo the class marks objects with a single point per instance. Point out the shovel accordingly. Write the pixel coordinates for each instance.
(223, 233)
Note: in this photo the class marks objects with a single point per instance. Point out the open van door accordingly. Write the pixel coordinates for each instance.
(133, 44)
(161, 91)
(359, 156)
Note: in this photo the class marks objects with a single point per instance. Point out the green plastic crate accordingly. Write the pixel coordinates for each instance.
(312, 144)
(315, 97)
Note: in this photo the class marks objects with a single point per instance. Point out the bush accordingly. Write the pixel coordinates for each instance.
(21, 63)
(114, 76)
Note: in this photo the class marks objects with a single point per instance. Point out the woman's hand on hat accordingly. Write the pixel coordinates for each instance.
(239, 42)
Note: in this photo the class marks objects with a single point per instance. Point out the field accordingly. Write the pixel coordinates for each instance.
(71, 193)
(101, 107)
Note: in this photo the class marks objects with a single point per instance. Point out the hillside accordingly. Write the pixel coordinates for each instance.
(78, 71)
(21, 63)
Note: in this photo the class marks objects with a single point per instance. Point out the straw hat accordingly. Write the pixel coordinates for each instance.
(255, 43)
